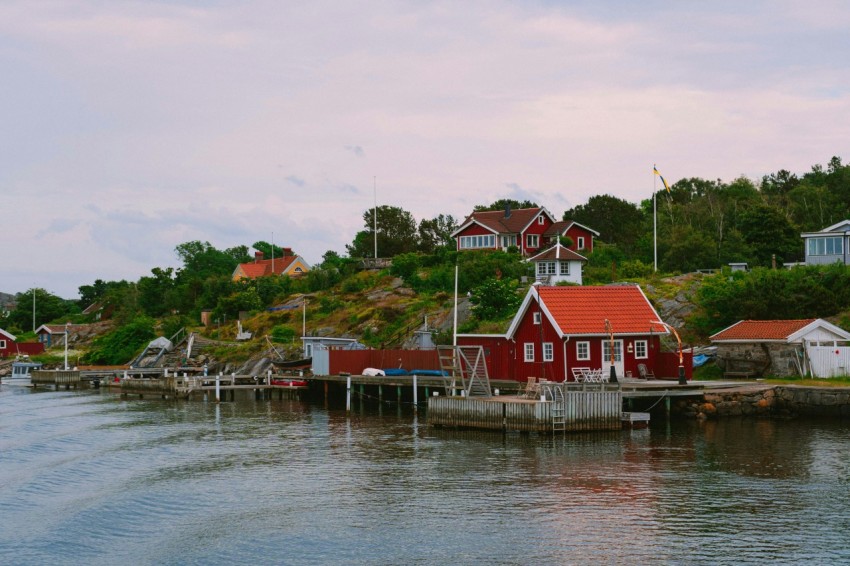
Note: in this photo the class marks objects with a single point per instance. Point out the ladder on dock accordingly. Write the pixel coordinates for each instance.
(558, 409)
(468, 364)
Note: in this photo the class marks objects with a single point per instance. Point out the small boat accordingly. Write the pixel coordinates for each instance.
(21, 371)
(289, 382)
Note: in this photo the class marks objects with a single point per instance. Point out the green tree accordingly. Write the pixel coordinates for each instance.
(768, 232)
(397, 233)
(495, 299)
(436, 232)
(503, 203)
(48, 308)
(617, 221)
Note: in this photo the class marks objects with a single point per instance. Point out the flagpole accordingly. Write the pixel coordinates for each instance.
(654, 221)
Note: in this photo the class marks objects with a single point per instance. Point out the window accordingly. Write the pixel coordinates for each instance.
(475, 242)
(641, 350)
(564, 267)
(537, 318)
(529, 352)
(606, 351)
(580, 242)
(540, 220)
(583, 351)
(826, 246)
(531, 240)
(548, 352)
(2, 344)
(545, 268)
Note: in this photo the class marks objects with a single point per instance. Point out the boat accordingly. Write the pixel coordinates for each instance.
(21, 371)
(289, 382)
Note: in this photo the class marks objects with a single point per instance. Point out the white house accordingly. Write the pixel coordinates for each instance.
(558, 265)
(830, 245)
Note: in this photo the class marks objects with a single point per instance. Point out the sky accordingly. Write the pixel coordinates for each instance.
(128, 128)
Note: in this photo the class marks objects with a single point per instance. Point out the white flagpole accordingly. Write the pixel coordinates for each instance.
(375, 214)
(654, 222)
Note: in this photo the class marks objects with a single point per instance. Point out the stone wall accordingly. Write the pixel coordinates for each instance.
(780, 401)
(764, 358)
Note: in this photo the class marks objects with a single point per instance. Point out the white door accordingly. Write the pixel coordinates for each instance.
(618, 358)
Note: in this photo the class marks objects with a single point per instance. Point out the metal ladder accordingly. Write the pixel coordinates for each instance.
(558, 409)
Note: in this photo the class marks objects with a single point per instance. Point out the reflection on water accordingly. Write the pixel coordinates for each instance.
(92, 478)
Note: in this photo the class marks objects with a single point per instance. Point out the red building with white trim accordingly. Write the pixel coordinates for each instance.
(560, 328)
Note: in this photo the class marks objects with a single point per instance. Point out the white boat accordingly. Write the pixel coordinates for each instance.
(21, 372)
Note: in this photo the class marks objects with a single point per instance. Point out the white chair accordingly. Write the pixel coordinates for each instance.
(579, 373)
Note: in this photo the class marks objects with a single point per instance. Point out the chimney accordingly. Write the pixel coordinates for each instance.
(287, 252)
(258, 257)
(508, 210)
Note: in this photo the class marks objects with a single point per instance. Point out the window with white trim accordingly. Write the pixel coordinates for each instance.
(548, 352)
(540, 220)
(826, 246)
(474, 242)
(545, 268)
(580, 242)
(606, 351)
(537, 318)
(2, 344)
(583, 351)
(564, 266)
(529, 351)
(641, 350)
(531, 240)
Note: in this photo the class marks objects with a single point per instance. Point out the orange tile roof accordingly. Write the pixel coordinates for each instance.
(583, 310)
(762, 329)
(263, 267)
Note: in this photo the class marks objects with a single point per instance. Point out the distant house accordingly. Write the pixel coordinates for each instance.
(783, 348)
(582, 236)
(9, 346)
(98, 311)
(830, 245)
(558, 265)
(559, 329)
(524, 228)
(288, 264)
(51, 334)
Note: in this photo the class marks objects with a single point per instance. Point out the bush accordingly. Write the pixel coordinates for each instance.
(123, 344)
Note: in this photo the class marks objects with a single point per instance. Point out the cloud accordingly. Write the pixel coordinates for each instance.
(356, 150)
(297, 181)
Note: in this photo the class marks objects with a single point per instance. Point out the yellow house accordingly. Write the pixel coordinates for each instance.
(289, 264)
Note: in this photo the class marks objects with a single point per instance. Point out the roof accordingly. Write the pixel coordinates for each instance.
(582, 311)
(7, 335)
(763, 330)
(496, 221)
(263, 267)
(54, 328)
(558, 252)
(838, 228)
(562, 226)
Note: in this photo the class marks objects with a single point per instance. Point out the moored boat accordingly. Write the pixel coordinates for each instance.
(21, 371)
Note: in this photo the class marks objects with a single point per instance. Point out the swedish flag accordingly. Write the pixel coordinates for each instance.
(666, 186)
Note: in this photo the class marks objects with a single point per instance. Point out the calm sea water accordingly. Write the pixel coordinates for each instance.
(90, 478)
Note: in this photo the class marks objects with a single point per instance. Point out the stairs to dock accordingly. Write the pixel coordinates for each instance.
(468, 364)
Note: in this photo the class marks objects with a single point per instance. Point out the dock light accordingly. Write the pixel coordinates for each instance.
(682, 379)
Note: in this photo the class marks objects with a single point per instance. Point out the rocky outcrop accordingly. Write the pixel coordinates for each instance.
(768, 400)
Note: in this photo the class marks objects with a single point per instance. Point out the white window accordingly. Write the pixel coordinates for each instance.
(477, 242)
(564, 267)
(540, 220)
(545, 268)
(529, 351)
(537, 318)
(2, 344)
(606, 351)
(531, 240)
(826, 246)
(583, 351)
(641, 352)
(580, 242)
(548, 352)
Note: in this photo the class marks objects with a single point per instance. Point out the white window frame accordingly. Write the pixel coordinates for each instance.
(537, 317)
(820, 246)
(541, 220)
(580, 242)
(583, 346)
(2, 344)
(532, 240)
(641, 349)
(545, 268)
(618, 351)
(564, 267)
(529, 351)
(548, 352)
(482, 241)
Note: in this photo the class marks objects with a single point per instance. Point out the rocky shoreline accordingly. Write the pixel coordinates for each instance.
(769, 401)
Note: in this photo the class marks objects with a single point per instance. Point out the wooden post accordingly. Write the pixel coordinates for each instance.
(415, 394)
(218, 388)
(348, 394)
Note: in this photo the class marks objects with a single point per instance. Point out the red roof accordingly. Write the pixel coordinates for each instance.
(762, 329)
(583, 310)
(558, 252)
(263, 267)
(496, 220)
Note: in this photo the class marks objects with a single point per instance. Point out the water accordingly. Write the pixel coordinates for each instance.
(90, 478)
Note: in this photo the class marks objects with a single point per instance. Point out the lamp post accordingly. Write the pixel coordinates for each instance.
(67, 325)
(610, 331)
(682, 379)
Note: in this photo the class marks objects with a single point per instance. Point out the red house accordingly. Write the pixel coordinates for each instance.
(530, 229)
(9, 347)
(557, 329)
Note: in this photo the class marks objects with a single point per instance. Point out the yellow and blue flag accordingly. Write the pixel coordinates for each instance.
(666, 186)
